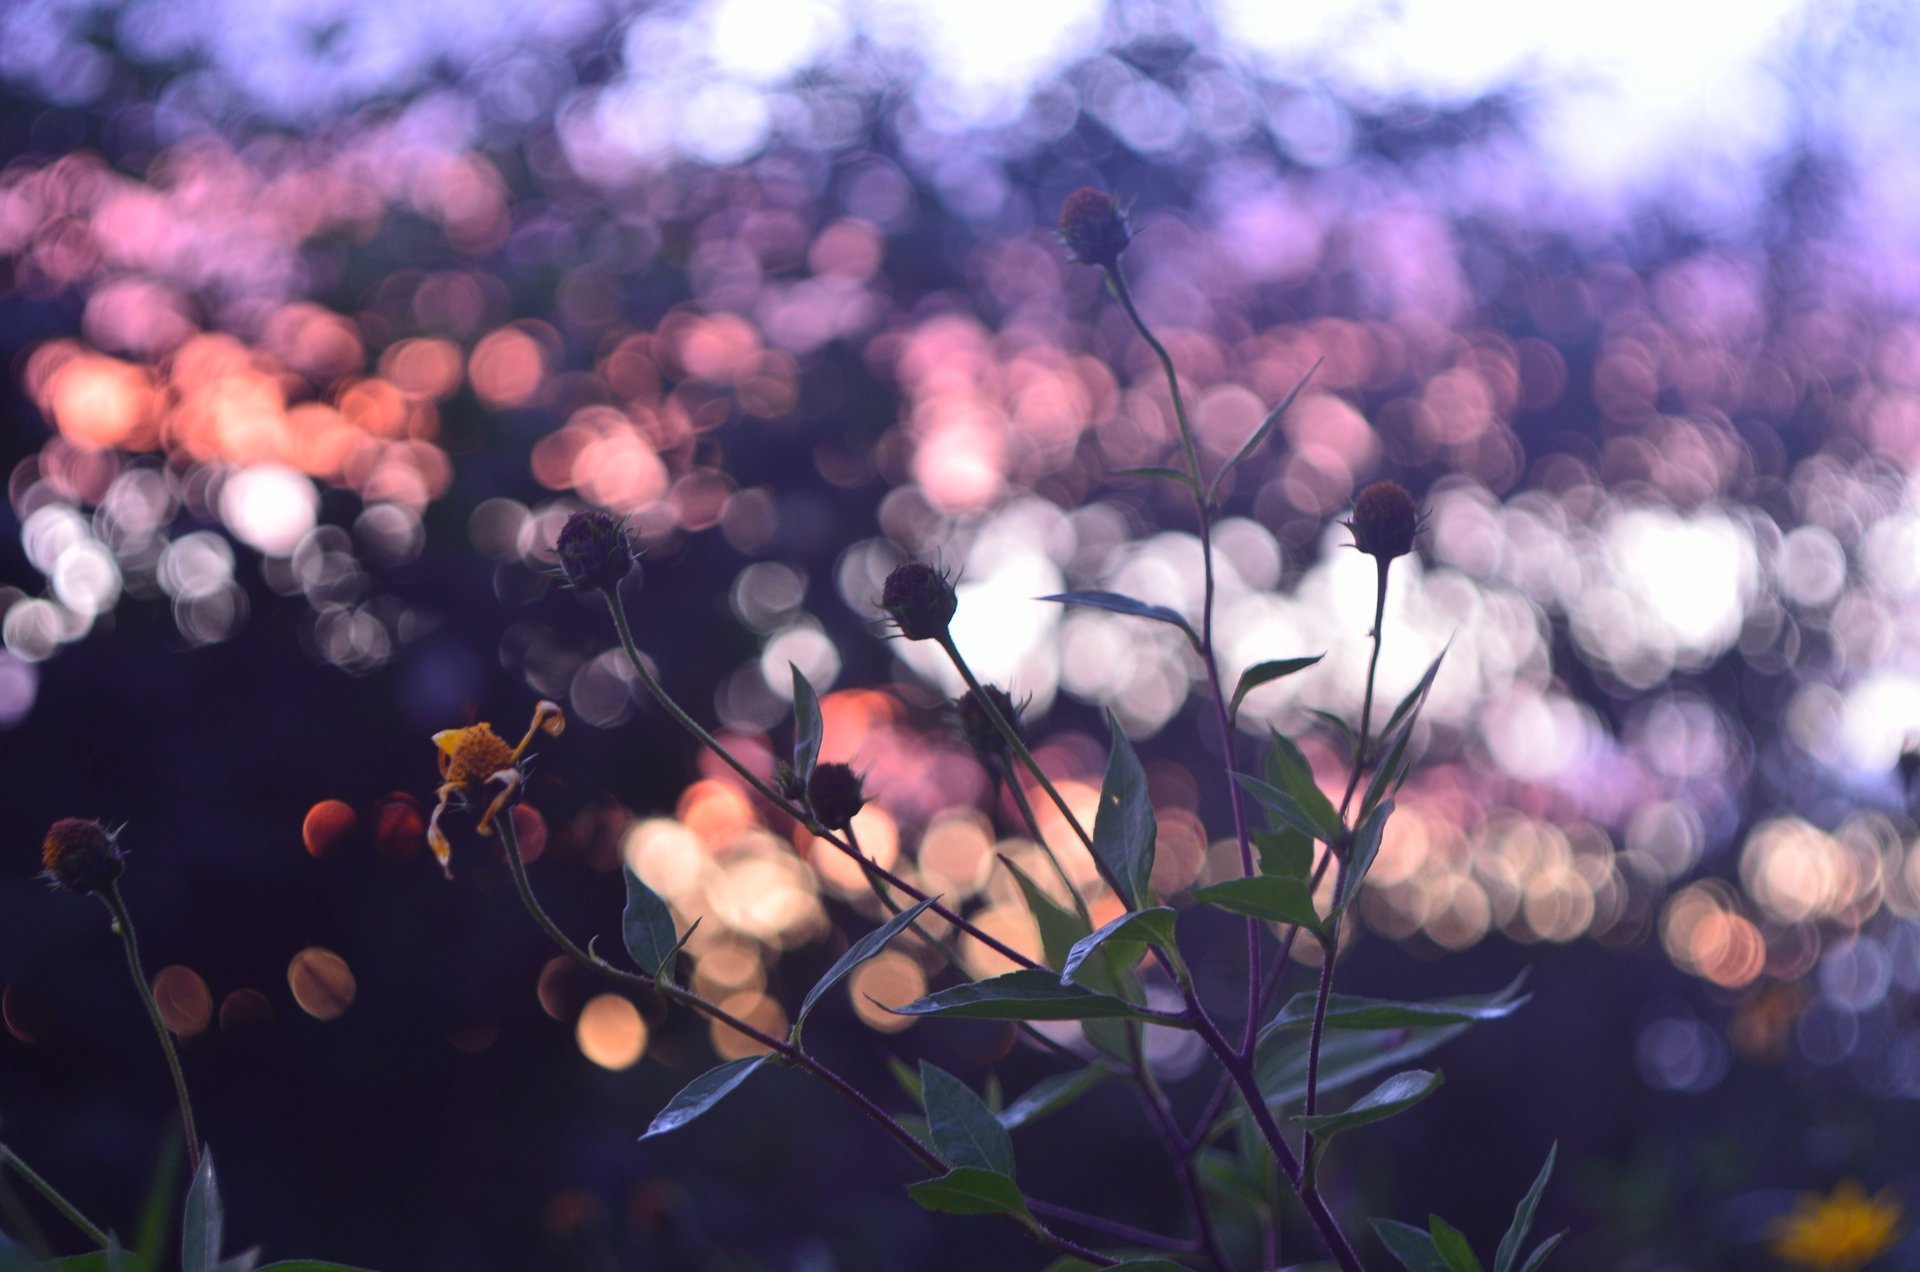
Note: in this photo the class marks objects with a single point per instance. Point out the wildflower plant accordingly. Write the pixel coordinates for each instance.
(1262, 1127)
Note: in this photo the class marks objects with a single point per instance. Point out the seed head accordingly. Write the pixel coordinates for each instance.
(920, 601)
(594, 551)
(976, 727)
(1384, 521)
(1093, 227)
(836, 794)
(81, 856)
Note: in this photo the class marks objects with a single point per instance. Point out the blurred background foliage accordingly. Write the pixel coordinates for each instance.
(320, 318)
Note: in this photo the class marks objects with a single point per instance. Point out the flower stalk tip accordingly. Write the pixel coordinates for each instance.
(1385, 520)
(594, 551)
(82, 856)
(920, 600)
(1093, 227)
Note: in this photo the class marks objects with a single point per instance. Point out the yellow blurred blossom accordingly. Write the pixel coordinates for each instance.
(1840, 1233)
(472, 757)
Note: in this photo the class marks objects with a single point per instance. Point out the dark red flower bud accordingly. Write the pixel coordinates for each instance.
(836, 794)
(594, 551)
(81, 856)
(1384, 521)
(976, 727)
(920, 601)
(1093, 227)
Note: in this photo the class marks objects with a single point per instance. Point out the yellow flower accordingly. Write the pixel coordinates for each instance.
(472, 757)
(1841, 1233)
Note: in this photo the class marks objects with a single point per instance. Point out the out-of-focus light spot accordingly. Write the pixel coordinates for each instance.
(1812, 566)
(756, 1009)
(716, 811)
(27, 1016)
(327, 827)
(86, 579)
(1856, 974)
(1012, 925)
(389, 534)
(728, 967)
(185, 1002)
(269, 507)
(769, 895)
(1796, 872)
(529, 831)
(891, 979)
(322, 983)
(804, 646)
(399, 829)
(878, 840)
(245, 1011)
(667, 857)
(1664, 839)
(495, 526)
(33, 629)
(196, 565)
(423, 367)
(1681, 1054)
(610, 1032)
(507, 368)
(1826, 1032)
(956, 854)
(19, 686)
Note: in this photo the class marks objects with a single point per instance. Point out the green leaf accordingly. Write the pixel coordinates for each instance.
(1281, 804)
(1030, 994)
(1538, 1258)
(702, 1094)
(807, 728)
(158, 1211)
(1396, 1095)
(647, 927)
(1452, 1246)
(1059, 927)
(1411, 1246)
(1163, 474)
(1350, 1011)
(1264, 673)
(1346, 1057)
(1123, 828)
(203, 1220)
(1366, 846)
(1136, 928)
(1269, 897)
(1287, 768)
(965, 1131)
(1050, 1095)
(1409, 709)
(1338, 725)
(1285, 853)
(1516, 1237)
(857, 953)
(1386, 777)
(1119, 604)
(968, 1190)
(1259, 433)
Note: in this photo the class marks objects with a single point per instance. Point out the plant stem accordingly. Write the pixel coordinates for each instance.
(1109, 1227)
(39, 1184)
(788, 1051)
(1160, 1114)
(1366, 704)
(1033, 823)
(799, 814)
(123, 924)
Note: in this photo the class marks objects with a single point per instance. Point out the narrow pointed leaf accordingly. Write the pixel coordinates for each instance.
(1269, 897)
(1366, 846)
(1160, 473)
(857, 953)
(1409, 709)
(703, 1093)
(1516, 1237)
(807, 728)
(1411, 1246)
(1350, 1011)
(1386, 778)
(1285, 808)
(1338, 725)
(1397, 1094)
(1030, 995)
(1124, 828)
(203, 1220)
(1347, 1058)
(1136, 928)
(965, 1131)
(1260, 432)
(647, 927)
(1059, 927)
(1050, 1095)
(1285, 853)
(1452, 1245)
(968, 1190)
(1126, 605)
(1266, 673)
(1538, 1258)
(1288, 768)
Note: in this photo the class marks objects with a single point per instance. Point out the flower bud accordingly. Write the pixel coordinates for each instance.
(977, 728)
(1384, 521)
(81, 856)
(920, 601)
(836, 794)
(594, 551)
(1093, 227)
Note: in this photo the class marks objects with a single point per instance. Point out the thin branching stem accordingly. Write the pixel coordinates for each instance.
(40, 1185)
(123, 924)
(1033, 823)
(1160, 1115)
(789, 1052)
(785, 805)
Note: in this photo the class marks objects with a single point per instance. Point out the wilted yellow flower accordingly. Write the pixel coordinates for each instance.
(1840, 1233)
(472, 757)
